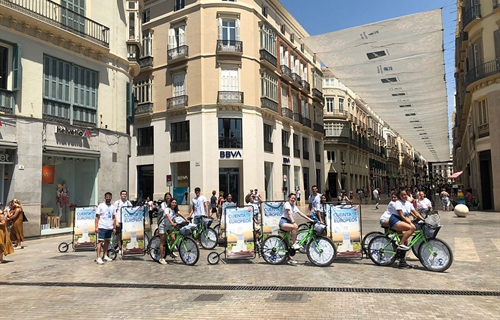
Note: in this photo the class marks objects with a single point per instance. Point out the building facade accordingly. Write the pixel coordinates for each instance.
(229, 99)
(476, 131)
(65, 69)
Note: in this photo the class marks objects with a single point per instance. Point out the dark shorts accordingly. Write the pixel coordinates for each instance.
(119, 229)
(298, 199)
(393, 221)
(214, 210)
(104, 234)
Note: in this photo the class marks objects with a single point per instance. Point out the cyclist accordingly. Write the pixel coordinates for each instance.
(167, 224)
(391, 209)
(287, 221)
(401, 221)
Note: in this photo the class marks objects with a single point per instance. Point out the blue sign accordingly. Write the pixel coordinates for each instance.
(286, 160)
(230, 154)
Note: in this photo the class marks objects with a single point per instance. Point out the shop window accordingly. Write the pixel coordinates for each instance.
(230, 133)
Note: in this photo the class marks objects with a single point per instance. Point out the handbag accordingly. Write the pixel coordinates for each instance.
(24, 218)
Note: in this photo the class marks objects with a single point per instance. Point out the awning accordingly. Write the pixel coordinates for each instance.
(72, 151)
(455, 175)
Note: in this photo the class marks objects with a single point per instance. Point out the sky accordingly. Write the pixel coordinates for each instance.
(323, 16)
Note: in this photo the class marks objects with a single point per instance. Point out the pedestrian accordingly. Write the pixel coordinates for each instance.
(298, 194)
(213, 203)
(351, 196)
(119, 204)
(360, 195)
(105, 226)
(314, 201)
(150, 205)
(15, 219)
(247, 197)
(199, 206)
(220, 202)
(445, 199)
(5, 243)
(376, 197)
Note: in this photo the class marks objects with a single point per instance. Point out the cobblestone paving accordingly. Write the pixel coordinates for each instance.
(24, 277)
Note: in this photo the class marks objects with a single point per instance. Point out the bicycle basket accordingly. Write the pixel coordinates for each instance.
(185, 231)
(433, 219)
(319, 229)
(206, 222)
(430, 231)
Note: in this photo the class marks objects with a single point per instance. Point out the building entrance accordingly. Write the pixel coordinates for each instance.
(229, 182)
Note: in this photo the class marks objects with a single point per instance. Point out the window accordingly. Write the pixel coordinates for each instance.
(179, 84)
(482, 107)
(284, 97)
(269, 86)
(317, 151)
(230, 133)
(318, 177)
(282, 29)
(341, 105)
(496, 37)
(305, 148)
(75, 19)
(476, 54)
(264, 11)
(285, 149)
(146, 16)
(147, 44)
(145, 141)
(179, 136)
(143, 90)
(292, 38)
(10, 67)
(229, 31)
(70, 92)
(176, 37)
(295, 102)
(268, 138)
(179, 4)
(229, 79)
(131, 5)
(342, 156)
(302, 47)
(268, 39)
(296, 148)
(331, 156)
(131, 25)
(330, 104)
(283, 56)
(305, 109)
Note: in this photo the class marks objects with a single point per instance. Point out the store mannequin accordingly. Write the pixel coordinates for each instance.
(62, 195)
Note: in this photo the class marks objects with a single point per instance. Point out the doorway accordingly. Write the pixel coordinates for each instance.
(332, 185)
(229, 182)
(486, 185)
(145, 182)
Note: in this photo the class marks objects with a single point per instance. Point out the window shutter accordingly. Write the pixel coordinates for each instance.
(182, 35)
(237, 24)
(16, 68)
(219, 29)
(282, 57)
(171, 39)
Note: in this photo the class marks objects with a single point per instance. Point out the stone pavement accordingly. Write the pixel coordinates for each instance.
(40, 282)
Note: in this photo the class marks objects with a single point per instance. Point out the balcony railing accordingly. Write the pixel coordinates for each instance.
(285, 150)
(230, 97)
(145, 62)
(145, 150)
(229, 46)
(336, 113)
(287, 113)
(483, 130)
(59, 16)
(319, 128)
(177, 102)
(6, 101)
(269, 104)
(268, 146)
(496, 4)
(306, 155)
(306, 85)
(306, 122)
(286, 71)
(266, 56)
(144, 109)
(487, 69)
(472, 14)
(318, 94)
(298, 117)
(176, 146)
(297, 79)
(177, 53)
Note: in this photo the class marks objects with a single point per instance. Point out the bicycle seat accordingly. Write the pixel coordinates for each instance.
(283, 230)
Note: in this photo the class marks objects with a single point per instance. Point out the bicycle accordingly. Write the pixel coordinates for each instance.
(188, 249)
(206, 235)
(321, 251)
(433, 253)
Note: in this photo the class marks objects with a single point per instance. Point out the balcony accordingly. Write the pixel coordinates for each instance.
(285, 150)
(370, 132)
(296, 79)
(268, 146)
(470, 15)
(298, 117)
(146, 62)
(269, 104)
(306, 122)
(317, 94)
(306, 87)
(268, 59)
(483, 130)
(145, 108)
(287, 113)
(296, 153)
(178, 53)
(230, 47)
(7, 101)
(336, 139)
(306, 155)
(54, 14)
(286, 72)
(145, 150)
(230, 97)
(336, 114)
(319, 128)
(177, 102)
(487, 69)
(176, 146)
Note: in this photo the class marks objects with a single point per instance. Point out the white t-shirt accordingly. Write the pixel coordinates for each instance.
(199, 206)
(406, 207)
(315, 200)
(118, 205)
(106, 214)
(424, 204)
(167, 211)
(293, 209)
(298, 194)
(375, 193)
(391, 209)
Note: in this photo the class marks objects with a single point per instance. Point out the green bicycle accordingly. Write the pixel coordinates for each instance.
(206, 235)
(188, 249)
(321, 251)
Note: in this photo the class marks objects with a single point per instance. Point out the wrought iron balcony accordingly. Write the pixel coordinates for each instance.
(319, 128)
(145, 150)
(298, 117)
(230, 97)
(6, 101)
(472, 14)
(268, 58)
(317, 94)
(177, 102)
(178, 53)
(306, 122)
(230, 46)
(297, 79)
(287, 113)
(306, 86)
(145, 108)
(267, 103)
(268, 146)
(286, 72)
(146, 62)
(55, 14)
(176, 146)
(285, 150)
(486, 69)
(296, 153)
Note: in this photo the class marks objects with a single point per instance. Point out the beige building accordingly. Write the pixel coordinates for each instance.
(476, 131)
(65, 67)
(228, 99)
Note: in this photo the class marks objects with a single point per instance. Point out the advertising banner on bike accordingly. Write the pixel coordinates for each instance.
(84, 230)
(344, 224)
(133, 230)
(271, 215)
(239, 232)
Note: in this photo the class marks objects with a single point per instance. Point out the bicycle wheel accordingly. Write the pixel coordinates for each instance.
(213, 258)
(415, 248)
(436, 255)
(217, 229)
(154, 248)
(382, 251)
(367, 238)
(274, 250)
(208, 238)
(321, 251)
(63, 247)
(112, 254)
(189, 251)
(300, 235)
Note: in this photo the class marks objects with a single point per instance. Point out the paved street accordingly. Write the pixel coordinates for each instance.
(40, 282)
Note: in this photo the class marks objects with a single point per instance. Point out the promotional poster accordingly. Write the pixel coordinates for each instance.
(85, 236)
(344, 229)
(133, 230)
(271, 215)
(240, 242)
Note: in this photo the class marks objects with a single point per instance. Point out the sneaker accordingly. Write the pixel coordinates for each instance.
(404, 265)
(403, 247)
(173, 255)
(292, 261)
(162, 261)
(99, 261)
(106, 258)
(296, 246)
(120, 252)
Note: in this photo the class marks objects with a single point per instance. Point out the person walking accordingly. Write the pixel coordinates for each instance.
(5, 243)
(15, 219)
(360, 195)
(105, 226)
(119, 204)
(213, 203)
(376, 197)
(220, 202)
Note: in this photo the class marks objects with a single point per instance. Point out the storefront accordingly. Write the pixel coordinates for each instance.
(6, 167)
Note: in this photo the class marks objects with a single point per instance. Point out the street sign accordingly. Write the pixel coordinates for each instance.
(169, 180)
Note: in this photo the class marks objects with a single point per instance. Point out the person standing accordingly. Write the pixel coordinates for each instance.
(298, 194)
(376, 197)
(199, 206)
(220, 202)
(15, 218)
(314, 201)
(105, 226)
(5, 243)
(119, 204)
(213, 203)
(360, 195)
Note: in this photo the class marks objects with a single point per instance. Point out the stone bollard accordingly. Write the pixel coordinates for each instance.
(461, 210)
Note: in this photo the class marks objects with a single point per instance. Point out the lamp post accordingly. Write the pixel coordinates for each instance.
(343, 175)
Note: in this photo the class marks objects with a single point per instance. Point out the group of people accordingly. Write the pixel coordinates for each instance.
(11, 218)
